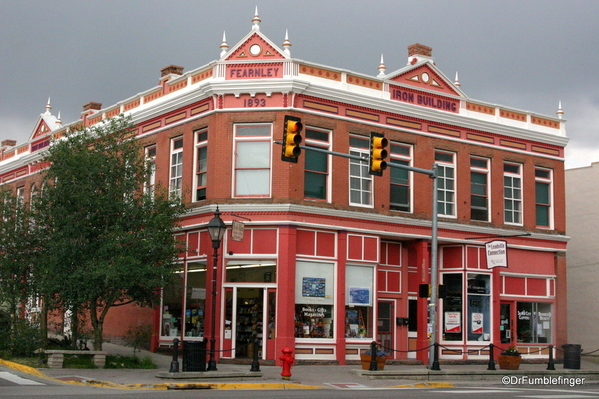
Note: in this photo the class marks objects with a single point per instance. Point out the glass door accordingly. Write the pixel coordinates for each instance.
(506, 325)
(249, 322)
(385, 324)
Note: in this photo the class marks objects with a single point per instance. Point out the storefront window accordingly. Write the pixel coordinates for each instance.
(358, 310)
(195, 300)
(313, 321)
(473, 319)
(314, 292)
(533, 322)
(251, 271)
(479, 307)
(452, 307)
(185, 317)
(172, 306)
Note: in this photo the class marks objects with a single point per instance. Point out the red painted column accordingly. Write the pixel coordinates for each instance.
(423, 259)
(219, 314)
(285, 317)
(561, 309)
(156, 327)
(496, 289)
(340, 299)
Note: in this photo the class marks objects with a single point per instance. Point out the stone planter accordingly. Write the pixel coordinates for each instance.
(366, 359)
(509, 362)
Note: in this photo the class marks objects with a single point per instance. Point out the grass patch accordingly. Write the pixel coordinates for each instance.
(129, 362)
(35, 362)
(78, 362)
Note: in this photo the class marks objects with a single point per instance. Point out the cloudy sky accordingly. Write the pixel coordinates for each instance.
(525, 54)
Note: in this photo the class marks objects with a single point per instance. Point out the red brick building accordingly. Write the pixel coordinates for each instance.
(332, 257)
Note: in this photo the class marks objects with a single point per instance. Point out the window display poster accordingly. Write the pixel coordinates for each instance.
(453, 322)
(359, 296)
(477, 323)
(313, 286)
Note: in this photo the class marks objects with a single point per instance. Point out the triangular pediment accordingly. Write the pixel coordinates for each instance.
(427, 77)
(40, 129)
(256, 47)
(46, 123)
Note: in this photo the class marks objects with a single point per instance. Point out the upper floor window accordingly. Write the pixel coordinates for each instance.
(176, 174)
(34, 195)
(20, 196)
(512, 193)
(316, 175)
(543, 180)
(360, 181)
(252, 160)
(150, 185)
(201, 164)
(400, 198)
(446, 194)
(479, 189)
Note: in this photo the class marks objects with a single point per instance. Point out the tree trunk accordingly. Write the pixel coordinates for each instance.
(74, 326)
(98, 323)
(44, 325)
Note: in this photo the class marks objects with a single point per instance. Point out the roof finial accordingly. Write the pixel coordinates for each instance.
(560, 112)
(382, 68)
(224, 47)
(58, 121)
(48, 107)
(457, 81)
(287, 43)
(256, 21)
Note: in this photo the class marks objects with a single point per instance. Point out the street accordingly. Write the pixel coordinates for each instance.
(14, 384)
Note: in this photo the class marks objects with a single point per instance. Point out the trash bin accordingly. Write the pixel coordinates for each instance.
(572, 356)
(194, 356)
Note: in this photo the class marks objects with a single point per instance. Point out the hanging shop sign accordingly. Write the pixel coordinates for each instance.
(237, 229)
(496, 253)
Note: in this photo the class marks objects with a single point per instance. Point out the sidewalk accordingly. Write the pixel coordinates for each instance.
(239, 376)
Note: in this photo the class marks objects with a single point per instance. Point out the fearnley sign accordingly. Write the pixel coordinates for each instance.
(496, 253)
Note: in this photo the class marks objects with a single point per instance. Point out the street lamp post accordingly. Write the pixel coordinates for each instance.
(216, 229)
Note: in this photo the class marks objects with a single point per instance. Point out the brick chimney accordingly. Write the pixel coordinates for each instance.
(92, 106)
(88, 109)
(8, 143)
(419, 52)
(171, 70)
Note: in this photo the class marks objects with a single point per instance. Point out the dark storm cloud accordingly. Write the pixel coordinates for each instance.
(523, 54)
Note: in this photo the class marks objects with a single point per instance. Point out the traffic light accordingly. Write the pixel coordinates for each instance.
(292, 138)
(378, 142)
(424, 290)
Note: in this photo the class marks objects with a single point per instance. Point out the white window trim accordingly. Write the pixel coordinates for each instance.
(360, 152)
(327, 146)
(551, 199)
(150, 186)
(177, 191)
(198, 144)
(455, 184)
(487, 172)
(410, 159)
(521, 200)
(237, 139)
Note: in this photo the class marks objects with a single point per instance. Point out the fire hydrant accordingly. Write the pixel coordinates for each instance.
(286, 361)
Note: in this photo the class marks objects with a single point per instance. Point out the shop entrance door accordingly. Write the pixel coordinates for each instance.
(249, 325)
(506, 324)
(385, 326)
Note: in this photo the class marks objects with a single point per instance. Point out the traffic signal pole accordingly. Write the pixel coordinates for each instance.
(433, 357)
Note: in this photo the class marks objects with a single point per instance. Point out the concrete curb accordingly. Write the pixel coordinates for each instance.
(160, 386)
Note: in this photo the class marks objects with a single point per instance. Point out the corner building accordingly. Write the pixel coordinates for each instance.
(330, 257)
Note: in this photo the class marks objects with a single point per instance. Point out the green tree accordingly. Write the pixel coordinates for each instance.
(18, 249)
(107, 242)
